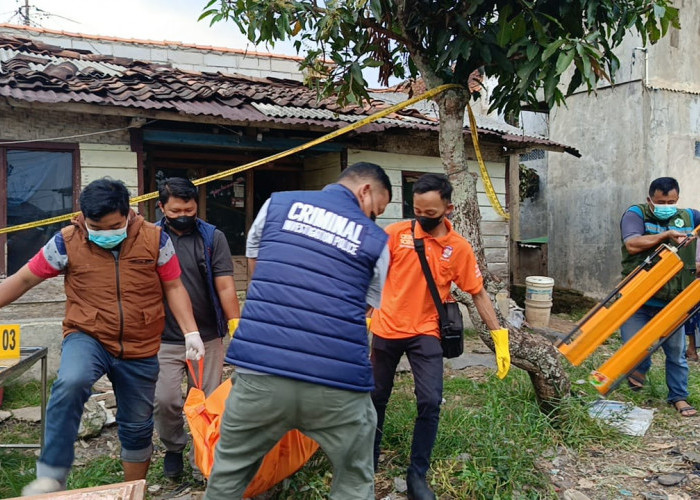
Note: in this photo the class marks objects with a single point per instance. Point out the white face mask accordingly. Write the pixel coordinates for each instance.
(108, 238)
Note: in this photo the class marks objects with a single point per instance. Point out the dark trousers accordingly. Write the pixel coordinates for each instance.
(424, 354)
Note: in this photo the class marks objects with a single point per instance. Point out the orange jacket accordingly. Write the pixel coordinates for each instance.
(119, 302)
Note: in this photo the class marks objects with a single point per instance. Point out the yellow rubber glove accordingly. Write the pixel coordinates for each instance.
(500, 341)
(368, 320)
(232, 325)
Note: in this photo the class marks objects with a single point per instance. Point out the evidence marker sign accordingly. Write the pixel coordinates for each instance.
(9, 341)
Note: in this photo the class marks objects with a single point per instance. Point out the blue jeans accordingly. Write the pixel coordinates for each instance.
(674, 349)
(83, 361)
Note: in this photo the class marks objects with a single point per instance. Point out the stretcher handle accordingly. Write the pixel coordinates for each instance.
(198, 381)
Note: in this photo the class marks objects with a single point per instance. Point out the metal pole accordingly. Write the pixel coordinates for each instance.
(26, 12)
(44, 360)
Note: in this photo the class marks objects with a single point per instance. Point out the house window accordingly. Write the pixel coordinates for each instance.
(407, 181)
(697, 149)
(37, 184)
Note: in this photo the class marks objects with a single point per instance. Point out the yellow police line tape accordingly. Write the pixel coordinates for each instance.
(332, 135)
(488, 186)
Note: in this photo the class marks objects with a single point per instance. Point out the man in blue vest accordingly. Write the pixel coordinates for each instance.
(207, 273)
(644, 227)
(301, 350)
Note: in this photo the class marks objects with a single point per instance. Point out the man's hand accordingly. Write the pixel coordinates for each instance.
(194, 347)
(675, 236)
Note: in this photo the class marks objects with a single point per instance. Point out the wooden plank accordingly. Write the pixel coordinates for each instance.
(128, 175)
(86, 146)
(114, 159)
(494, 228)
(484, 201)
(132, 490)
(397, 162)
(496, 254)
(393, 211)
(488, 214)
(499, 185)
(500, 241)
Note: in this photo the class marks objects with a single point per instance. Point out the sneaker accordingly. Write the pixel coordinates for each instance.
(42, 485)
(172, 464)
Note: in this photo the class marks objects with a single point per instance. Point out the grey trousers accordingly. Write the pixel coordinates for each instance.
(262, 408)
(169, 419)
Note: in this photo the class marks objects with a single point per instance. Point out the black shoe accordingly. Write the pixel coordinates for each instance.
(418, 488)
(172, 464)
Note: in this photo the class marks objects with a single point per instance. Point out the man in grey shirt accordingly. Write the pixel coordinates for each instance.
(207, 273)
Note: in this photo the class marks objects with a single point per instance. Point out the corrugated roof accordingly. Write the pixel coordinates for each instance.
(34, 71)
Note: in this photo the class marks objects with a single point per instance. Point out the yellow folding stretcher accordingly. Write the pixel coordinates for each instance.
(608, 315)
(647, 340)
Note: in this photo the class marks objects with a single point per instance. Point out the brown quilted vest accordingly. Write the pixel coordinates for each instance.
(117, 301)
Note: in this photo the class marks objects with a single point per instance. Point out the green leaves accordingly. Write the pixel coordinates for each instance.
(529, 46)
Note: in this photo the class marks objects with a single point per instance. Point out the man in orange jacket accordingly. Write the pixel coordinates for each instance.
(407, 321)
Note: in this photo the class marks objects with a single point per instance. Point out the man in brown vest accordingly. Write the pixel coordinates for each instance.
(117, 268)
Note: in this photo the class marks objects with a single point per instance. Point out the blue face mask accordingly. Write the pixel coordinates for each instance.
(664, 212)
(108, 238)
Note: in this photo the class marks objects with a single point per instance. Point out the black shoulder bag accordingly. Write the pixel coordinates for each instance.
(451, 326)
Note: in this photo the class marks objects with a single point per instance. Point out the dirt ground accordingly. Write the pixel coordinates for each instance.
(669, 453)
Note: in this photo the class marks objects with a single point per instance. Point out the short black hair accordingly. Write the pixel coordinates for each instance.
(367, 170)
(179, 187)
(663, 184)
(104, 196)
(434, 182)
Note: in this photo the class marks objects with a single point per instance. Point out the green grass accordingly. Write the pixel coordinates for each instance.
(490, 444)
(22, 395)
(490, 436)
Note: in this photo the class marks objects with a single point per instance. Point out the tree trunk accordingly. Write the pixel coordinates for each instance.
(532, 353)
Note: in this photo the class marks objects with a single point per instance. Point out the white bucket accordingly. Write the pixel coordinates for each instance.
(537, 312)
(539, 288)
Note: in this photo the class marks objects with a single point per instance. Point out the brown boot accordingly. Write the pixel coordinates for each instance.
(135, 470)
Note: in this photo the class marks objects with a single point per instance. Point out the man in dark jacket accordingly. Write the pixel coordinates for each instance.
(301, 350)
(117, 268)
(207, 273)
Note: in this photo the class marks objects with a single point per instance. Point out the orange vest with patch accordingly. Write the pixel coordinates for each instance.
(116, 300)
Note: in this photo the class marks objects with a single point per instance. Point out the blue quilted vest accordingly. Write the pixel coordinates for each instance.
(206, 231)
(304, 315)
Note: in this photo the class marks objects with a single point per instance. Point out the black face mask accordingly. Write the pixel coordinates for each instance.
(183, 223)
(429, 223)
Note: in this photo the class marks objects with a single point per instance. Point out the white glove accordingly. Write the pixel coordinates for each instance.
(194, 347)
